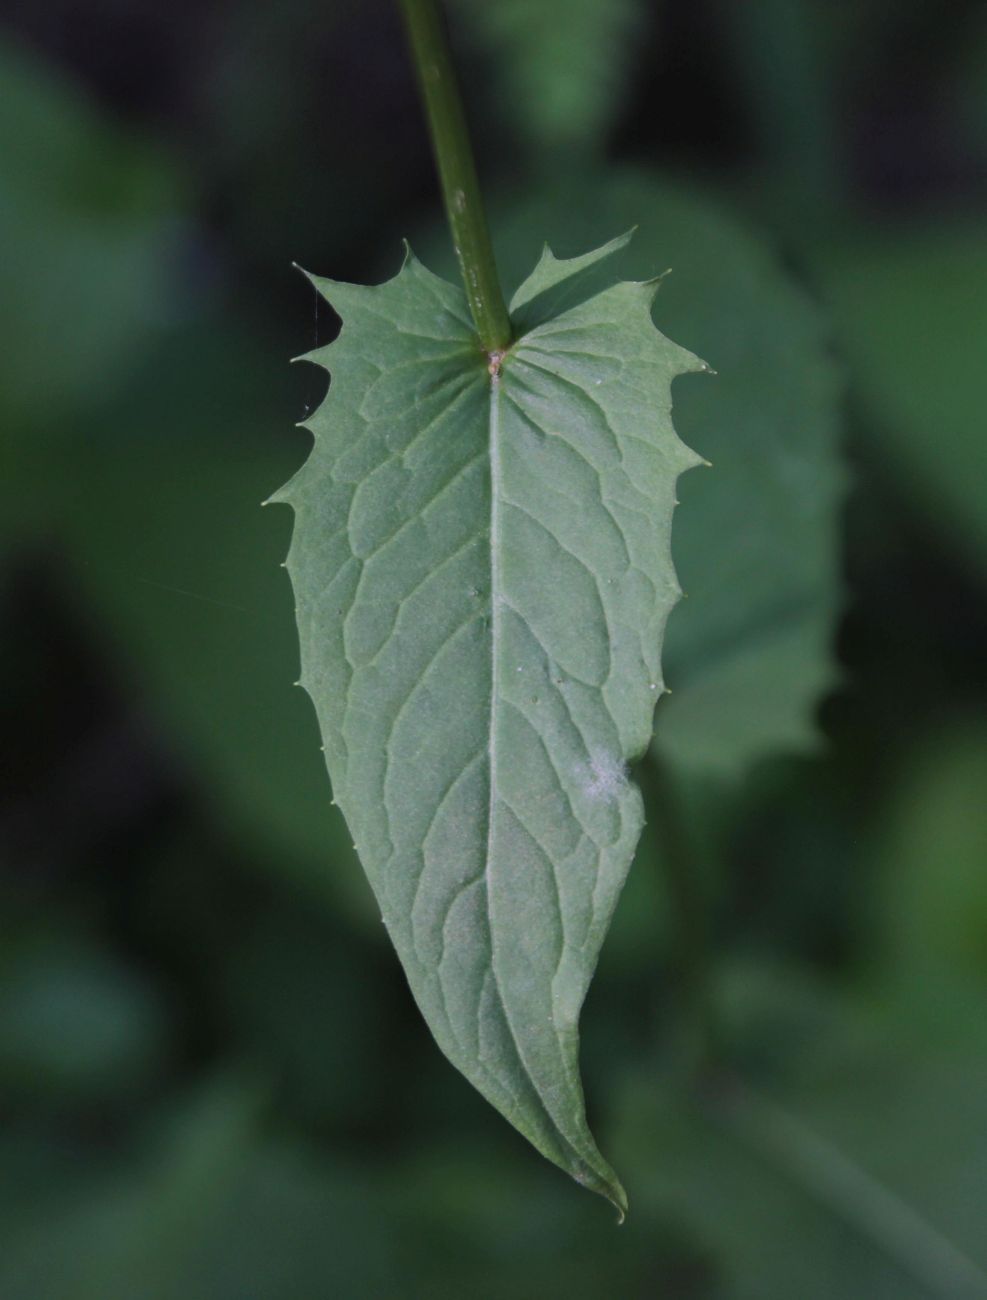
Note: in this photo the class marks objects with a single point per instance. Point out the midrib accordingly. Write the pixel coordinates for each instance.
(495, 582)
(587, 1158)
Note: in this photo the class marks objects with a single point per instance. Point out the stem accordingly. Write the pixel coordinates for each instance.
(457, 172)
(678, 858)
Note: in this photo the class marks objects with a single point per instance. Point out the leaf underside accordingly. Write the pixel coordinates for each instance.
(482, 573)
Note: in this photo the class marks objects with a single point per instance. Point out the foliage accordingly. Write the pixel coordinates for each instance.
(94, 211)
(482, 572)
(561, 69)
(871, 286)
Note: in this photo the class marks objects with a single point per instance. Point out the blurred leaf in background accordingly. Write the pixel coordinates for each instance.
(911, 315)
(89, 221)
(144, 461)
(560, 68)
(74, 1023)
(926, 955)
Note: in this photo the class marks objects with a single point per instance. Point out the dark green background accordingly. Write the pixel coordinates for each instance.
(213, 1082)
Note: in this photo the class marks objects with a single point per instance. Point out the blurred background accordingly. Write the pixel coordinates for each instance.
(213, 1081)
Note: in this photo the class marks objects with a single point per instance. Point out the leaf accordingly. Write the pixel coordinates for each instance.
(930, 902)
(749, 654)
(146, 512)
(561, 67)
(151, 515)
(75, 1023)
(88, 217)
(890, 294)
(482, 573)
(119, 1225)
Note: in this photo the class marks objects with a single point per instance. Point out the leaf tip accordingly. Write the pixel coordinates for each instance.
(615, 1194)
(599, 1177)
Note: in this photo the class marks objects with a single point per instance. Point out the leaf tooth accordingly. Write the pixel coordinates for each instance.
(650, 287)
(317, 356)
(281, 498)
(688, 459)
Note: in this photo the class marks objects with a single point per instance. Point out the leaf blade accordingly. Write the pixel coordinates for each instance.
(482, 569)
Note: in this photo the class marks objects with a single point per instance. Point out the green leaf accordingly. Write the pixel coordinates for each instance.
(75, 1023)
(120, 1225)
(926, 418)
(88, 217)
(560, 67)
(930, 900)
(151, 513)
(482, 570)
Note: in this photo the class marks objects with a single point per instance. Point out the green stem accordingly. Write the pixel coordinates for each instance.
(457, 172)
(689, 904)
